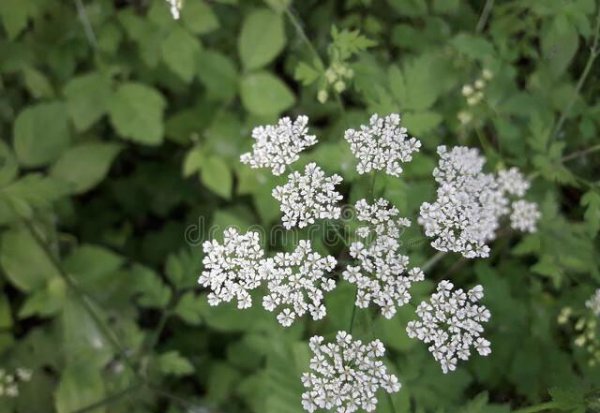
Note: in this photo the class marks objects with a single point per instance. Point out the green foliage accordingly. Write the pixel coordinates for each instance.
(121, 130)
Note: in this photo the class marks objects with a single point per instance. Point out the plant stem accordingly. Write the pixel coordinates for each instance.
(87, 26)
(429, 264)
(594, 52)
(537, 408)
(580, 153)
(109, 400)
(485, 14)
(353, 314)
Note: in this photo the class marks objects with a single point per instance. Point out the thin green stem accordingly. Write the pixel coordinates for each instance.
(391, 402)
(298, 26)
(580, 153)
(353, 314)
(537, 408)
(485, 14)
(113, 398)
(87, 26)
(429, 264)
(594, 52)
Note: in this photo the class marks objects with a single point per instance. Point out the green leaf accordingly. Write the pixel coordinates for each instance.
(85, 166)
(89, 262)
(199, 17)
(306, 74)
(265, 95)
(88, 97)
(182, 269)
(15, 14)
(37, 83)
(473, 46)
(217, 176)
(262, 38)
(136, 112)
(559, 44)
(218, 74)
(174, 364)
(569, 398)
(180, 52)
(193, 161)
(24, 262)
(80, 386)
(153, 292)
(31, 192)
(189, 308)
(8, 164)
(41, 133)
(591, 200)
(419, 123)
(45, 302)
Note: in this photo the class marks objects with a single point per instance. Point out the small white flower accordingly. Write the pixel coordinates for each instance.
(279, 145)
(382, 275)
(346, 375)
(594, 302)
(382, 145)
(297, 281)
(524, 216)
(231, 270)
(175, 8)
(451, 323)
(513, 182)
(305, 198)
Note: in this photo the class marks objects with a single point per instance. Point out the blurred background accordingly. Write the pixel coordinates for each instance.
(121, 129)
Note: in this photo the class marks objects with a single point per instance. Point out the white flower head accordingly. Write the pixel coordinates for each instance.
(469, 204)
(296, 283)
(524, 216)
(382, 145)
(513, 182)
(175, 8)
(594, 303)
(278, 145)
(9, 381)
(382, 275)
(346, 375)
(305, 198)
(232, 269)
(451, 323)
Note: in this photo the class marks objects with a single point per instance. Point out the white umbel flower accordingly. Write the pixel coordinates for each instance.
(296, 283)
(305, 198)
(451, 323)
(9, 381)
(175, 8)
(231, 270)
(524, 216)
(469, 204)
(513, 182)
(594, 303)
(382, 275)
(346, 375)
(382, 145)
(279, 145)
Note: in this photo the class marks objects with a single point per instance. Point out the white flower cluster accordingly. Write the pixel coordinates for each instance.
(470, 203)
(382, 145)
(279, 145)
(296, 281)
(594, 302)
(231, 270)
(346, 375)
(451, 322)
(307, 197)
(9, 382)
(382, 275)
(175, 8)
(295, 278)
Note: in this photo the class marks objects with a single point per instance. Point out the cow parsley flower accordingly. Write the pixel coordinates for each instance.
(296, 282)
(305, 198)
(524, 216)
(232, 269)
(279, 145)
(382, 145)
(175, 8)
(468, 207)
(451, 323)
(382, 275)
(594, 302)
(346, 375)
(513, 182)
(9, 381)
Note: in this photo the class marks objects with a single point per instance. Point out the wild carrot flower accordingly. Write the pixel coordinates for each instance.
(524, 216)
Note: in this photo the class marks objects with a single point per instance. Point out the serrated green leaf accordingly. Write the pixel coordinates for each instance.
(174, 364)
(136, 112)
(591, 200)
(80, 386)
(262, 38)
(189, 308)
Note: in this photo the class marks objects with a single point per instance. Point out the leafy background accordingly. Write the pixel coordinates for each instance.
(121, 133)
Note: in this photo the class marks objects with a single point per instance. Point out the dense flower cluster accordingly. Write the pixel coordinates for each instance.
(470, 203)
(296, 281)
(9, 382)
(382, 275)
(346, 375)
(305, 198)
(451, 322)
(524, 216)
(593, 303)
(382, 145)
(232, 269)
(279, 145)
